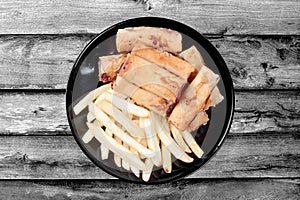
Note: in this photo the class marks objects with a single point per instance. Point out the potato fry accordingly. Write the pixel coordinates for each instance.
(91, 108)
(152, 141)
(192, 143)
(100, 98)
(156, 140)
(135, 171)
(115, 147)
(87, 137)
(122, 119)
(104, 150)
(125, 164)
(143, 142)
(85, 101)
(164, 135)
(107, 122)
(178, 138)
(117, 158)
(90, 117)
(166, 158)
(126, 105)
(147, 173)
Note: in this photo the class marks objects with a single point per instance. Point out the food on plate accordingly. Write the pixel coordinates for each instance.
(142, 97)
(166, 60)
(108, 65)
(193, 56)
(194, 98)
(153, 97)
(162, 38)
(155, 79)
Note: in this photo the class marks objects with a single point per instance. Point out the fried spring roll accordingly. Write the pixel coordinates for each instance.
(172, 63)
(161, 38)
(109, 65)
(214, 98)
(200, 119)
(194, 98)
(143, 98)
(193, 56)
(152, 77)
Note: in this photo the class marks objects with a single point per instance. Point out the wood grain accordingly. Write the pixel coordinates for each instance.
(37, 157)
(183, 189)
(44, 113)
(232, 17)
(45, 61)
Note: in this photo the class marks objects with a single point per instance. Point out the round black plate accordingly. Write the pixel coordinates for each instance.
(84, 78)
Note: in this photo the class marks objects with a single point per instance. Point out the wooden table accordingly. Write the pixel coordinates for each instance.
(39, 42)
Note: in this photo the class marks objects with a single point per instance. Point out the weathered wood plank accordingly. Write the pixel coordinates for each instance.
(32, 157)
(45, 61)
(184, 189)
(232, 17)
(44, 113)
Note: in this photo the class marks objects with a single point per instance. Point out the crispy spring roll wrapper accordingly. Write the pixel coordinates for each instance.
(194, 98)
(162, 38)
(214, 98)
(143, 98)
(200, 119)
(170, 62)
(108, 66)
(193, 56)
(152, 78)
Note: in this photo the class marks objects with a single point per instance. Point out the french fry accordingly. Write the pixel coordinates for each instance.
(147, 173)
(85, 101)
(107, 122)
(100, 98)
(164, 135)
(156, 140)
(125, 164)
(115, 147)
(178, 139)
(152, 140)
(126, 105)
(122, 119)
(91, 108)
(166, 158)
(104, 150)
(192, 143)
(117, 158)
(87, 137)
(133, 168)
(90, 117)
(143, 142)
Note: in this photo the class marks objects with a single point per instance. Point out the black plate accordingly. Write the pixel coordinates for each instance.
(84, 78)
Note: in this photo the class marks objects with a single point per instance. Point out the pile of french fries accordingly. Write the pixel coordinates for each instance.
(138, 138)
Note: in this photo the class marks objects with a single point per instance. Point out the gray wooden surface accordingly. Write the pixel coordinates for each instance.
(39, 42)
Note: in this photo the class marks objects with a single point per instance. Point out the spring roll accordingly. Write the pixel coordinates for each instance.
(170, 62)
(143, 98)
(194, 98)
(161, 38)
(152, 78)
